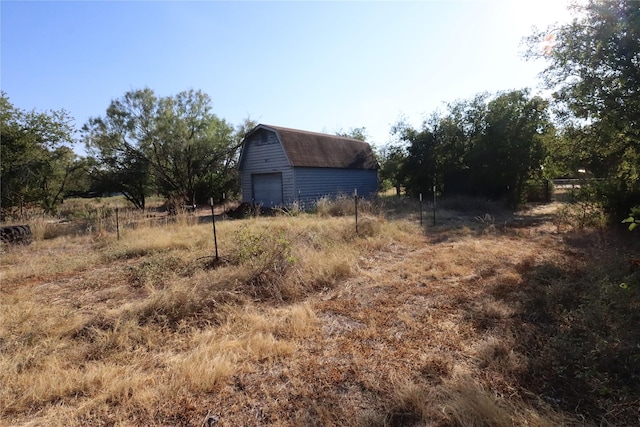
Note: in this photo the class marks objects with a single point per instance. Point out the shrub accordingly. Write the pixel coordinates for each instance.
(268, 257)
(580, 215)
(369, 227)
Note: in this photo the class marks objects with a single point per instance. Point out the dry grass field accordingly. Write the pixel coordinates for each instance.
(485, 319)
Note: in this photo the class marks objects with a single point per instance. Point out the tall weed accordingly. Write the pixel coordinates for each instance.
(267, 257)
(342, 205)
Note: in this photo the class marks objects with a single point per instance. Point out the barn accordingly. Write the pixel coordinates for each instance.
(279, 166)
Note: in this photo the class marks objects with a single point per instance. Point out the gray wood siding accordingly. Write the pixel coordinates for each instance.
(314, 183)
(263, 153)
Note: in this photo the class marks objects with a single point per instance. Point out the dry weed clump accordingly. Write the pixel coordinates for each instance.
(152, 239)
(469, 405)
(343, 205)
(267, 257)
(284, 259)
(458, 400)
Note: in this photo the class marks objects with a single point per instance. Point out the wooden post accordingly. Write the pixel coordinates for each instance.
(421, 209)
(213, 220)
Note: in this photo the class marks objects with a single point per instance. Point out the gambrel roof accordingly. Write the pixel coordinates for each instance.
(319, 150)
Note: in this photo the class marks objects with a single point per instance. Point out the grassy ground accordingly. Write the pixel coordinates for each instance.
(486, 319)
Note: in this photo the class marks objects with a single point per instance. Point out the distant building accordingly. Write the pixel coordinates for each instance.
(279, 166)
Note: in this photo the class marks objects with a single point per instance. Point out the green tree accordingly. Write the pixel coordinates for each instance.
(593, 67)
(37, 160)
(113, 143)
(440, 149)
(122, 172)
(61, 168)
(175, 143)
(391, 159)
(490, 146)
(226, 180)
(419, 169)
(79, 181)
(510, 150)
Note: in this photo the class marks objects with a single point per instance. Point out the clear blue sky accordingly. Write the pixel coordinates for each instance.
(318, 66)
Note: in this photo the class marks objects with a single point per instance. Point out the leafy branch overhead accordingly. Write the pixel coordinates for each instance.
(593, 69)
(634, 219)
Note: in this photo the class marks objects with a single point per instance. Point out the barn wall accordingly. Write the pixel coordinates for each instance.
(314, 183)
(263, 153)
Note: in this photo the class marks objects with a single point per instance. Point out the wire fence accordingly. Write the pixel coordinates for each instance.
(85, 218)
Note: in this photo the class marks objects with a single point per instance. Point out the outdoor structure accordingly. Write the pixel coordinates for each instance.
(279, 166)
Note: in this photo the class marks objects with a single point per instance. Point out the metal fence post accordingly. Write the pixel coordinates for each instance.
(213, 220)
(117, 223)
(355, 195)
(434, 205)
(224, 204)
